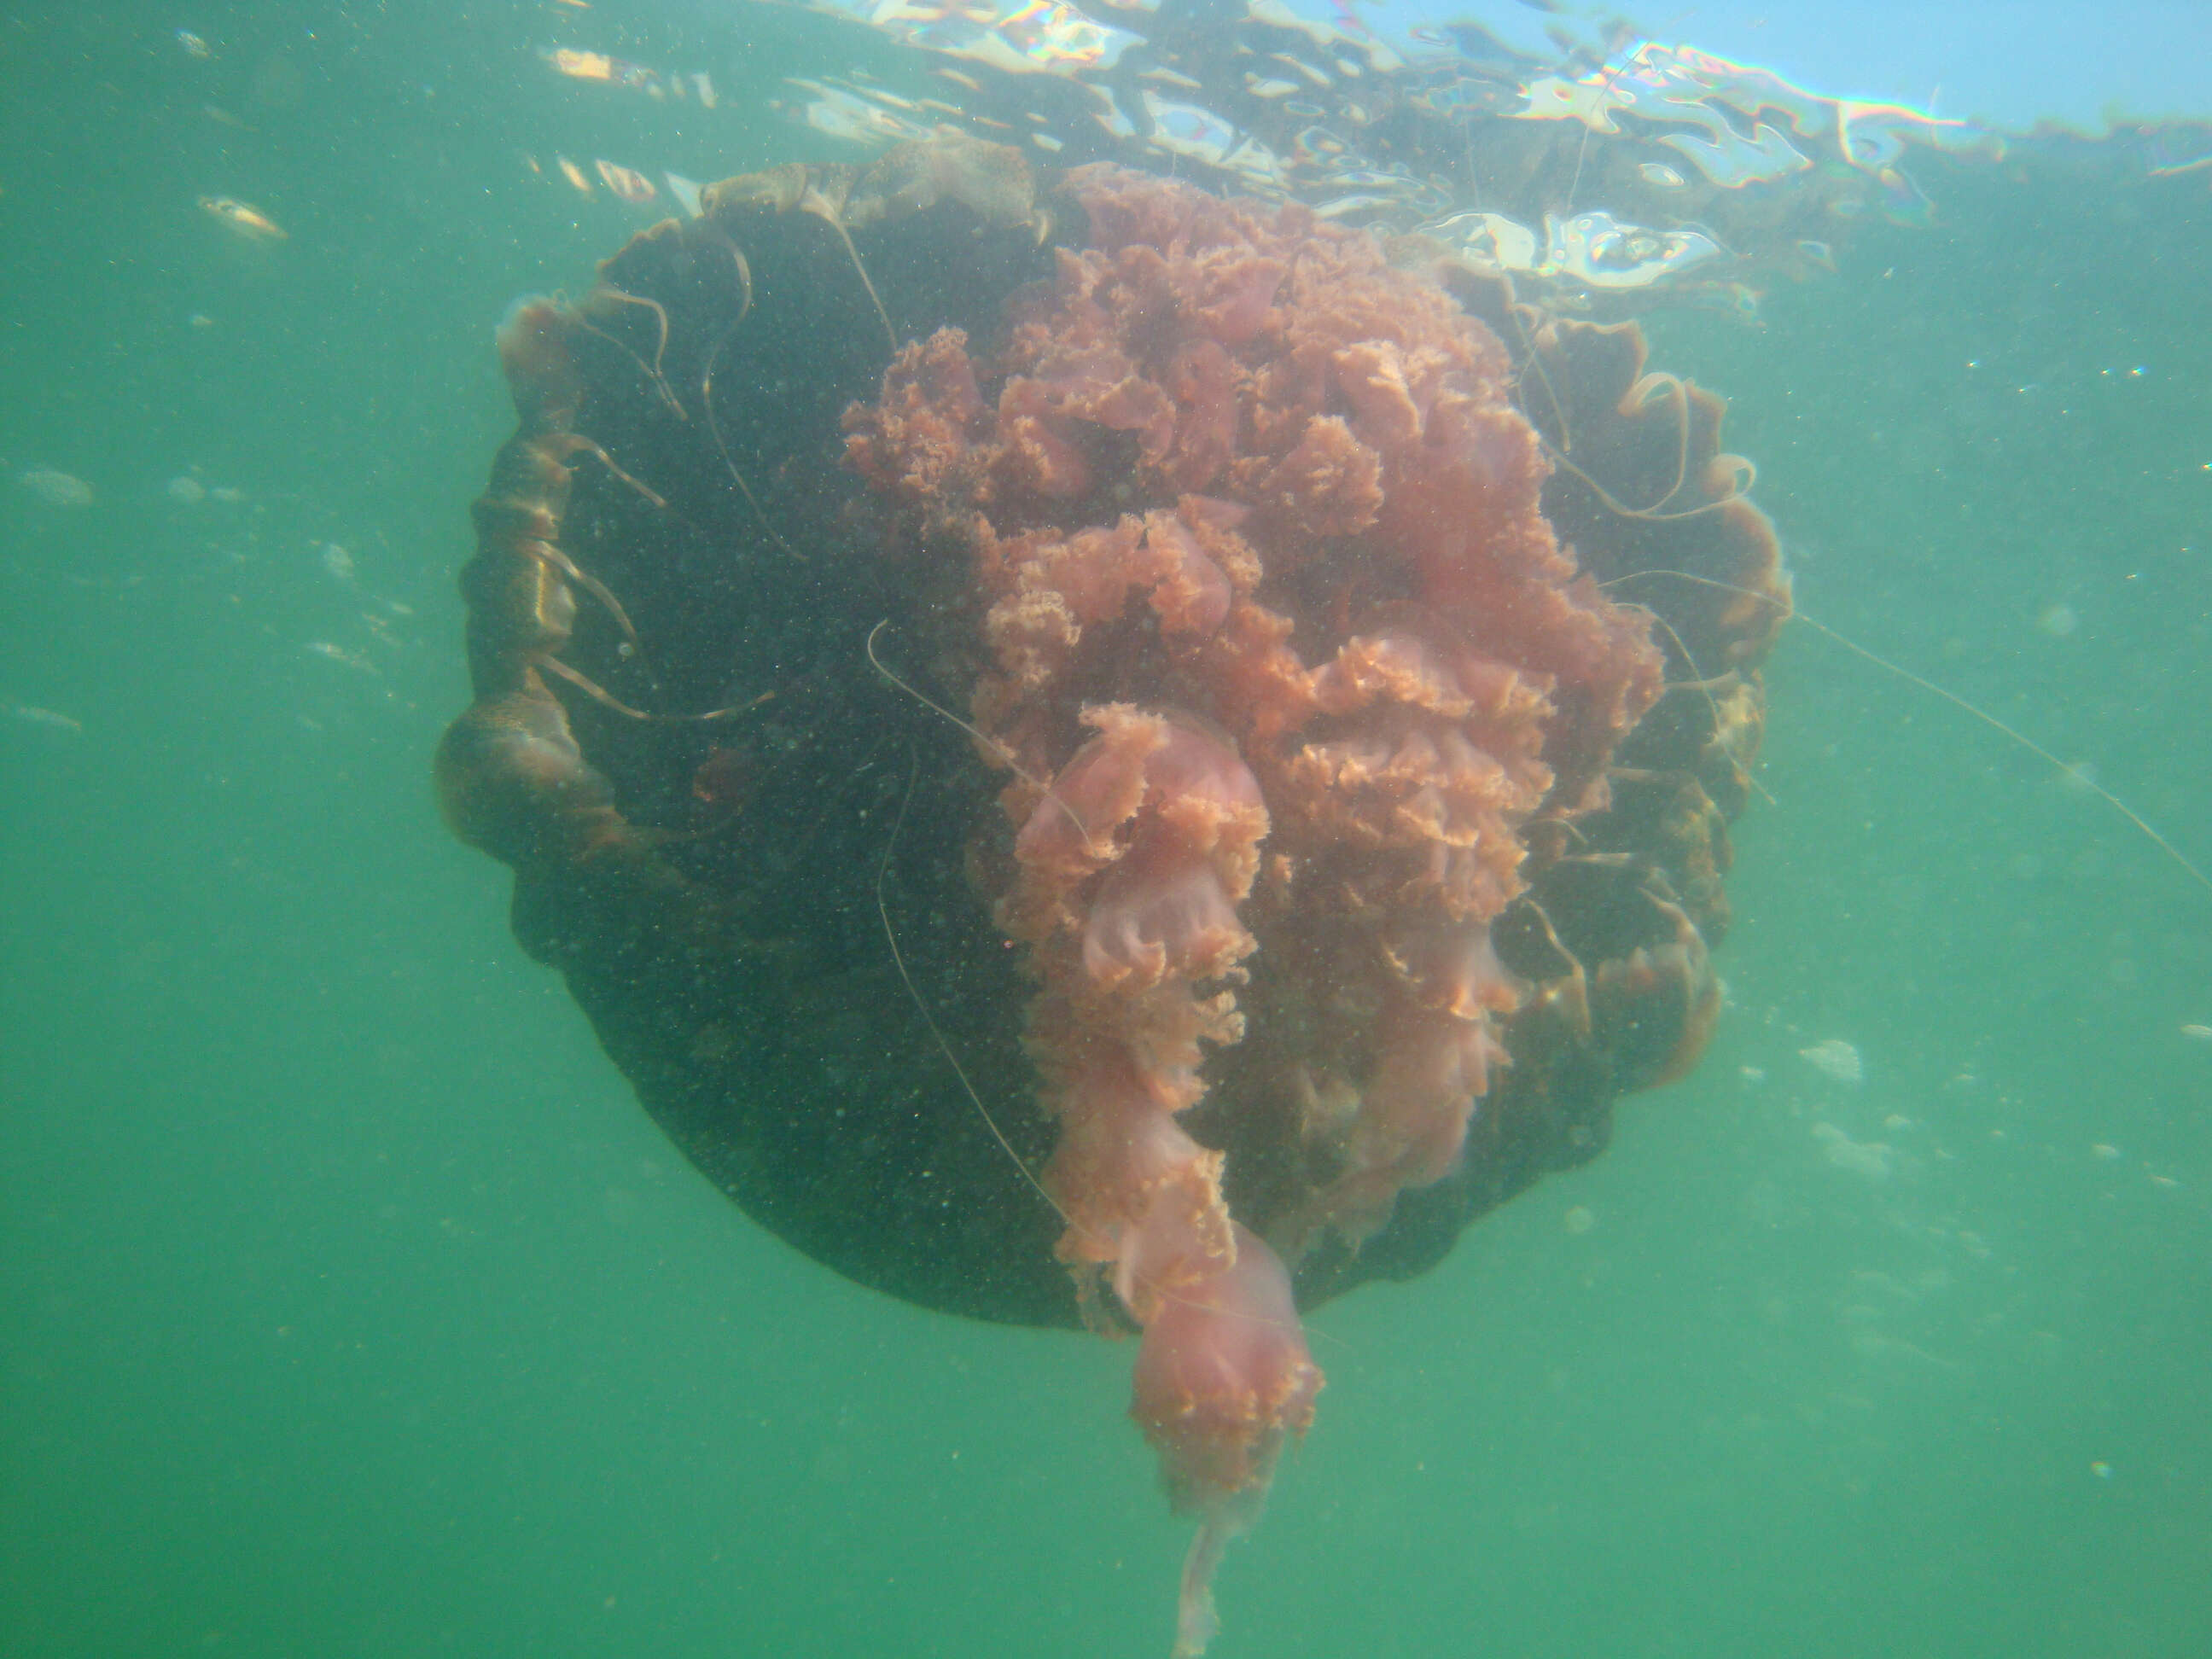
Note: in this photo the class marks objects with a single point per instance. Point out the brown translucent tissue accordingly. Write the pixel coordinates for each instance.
(1325, 686)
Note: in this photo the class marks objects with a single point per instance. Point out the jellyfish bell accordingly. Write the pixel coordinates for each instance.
(1325, 680)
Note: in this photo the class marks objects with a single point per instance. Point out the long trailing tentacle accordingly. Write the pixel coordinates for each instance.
(928, 1018)
(1533, 359)
(547, 553)
(599, 693)
(1739, 485)
(579, 444)
(652, 371)
(823, 208)
(1561, 448)
(998, 750)
(2073, 772)
(1699, 682)
(744, 275)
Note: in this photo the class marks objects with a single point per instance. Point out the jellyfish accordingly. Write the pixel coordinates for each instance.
(1108, 757)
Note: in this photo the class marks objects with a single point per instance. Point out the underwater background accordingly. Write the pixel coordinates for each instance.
(349, 1304)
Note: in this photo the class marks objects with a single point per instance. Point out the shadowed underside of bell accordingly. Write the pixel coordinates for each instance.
(716, 810)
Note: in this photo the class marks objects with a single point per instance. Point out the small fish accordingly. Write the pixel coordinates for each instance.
(627, 183)
(55, 486)
(52, 721)
(582, 66)
(2197, 1033)
(243, 219)
(380, 631)
(340, 655)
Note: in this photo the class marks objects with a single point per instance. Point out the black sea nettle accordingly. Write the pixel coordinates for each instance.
(1353, 672)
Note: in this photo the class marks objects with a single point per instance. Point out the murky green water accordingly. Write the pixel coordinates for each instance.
(349, 1306)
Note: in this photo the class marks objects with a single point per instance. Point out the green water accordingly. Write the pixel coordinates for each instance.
(349, 1306)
